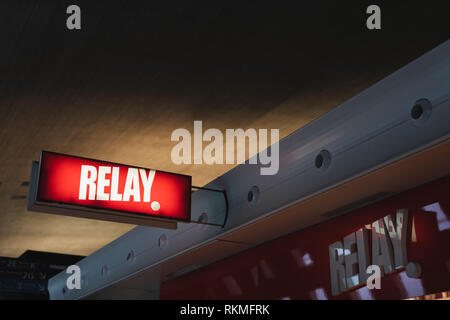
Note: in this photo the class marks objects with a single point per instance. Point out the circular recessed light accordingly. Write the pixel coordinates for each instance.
(253, 194)
(416, 111)
(421, 111)
(130, 256)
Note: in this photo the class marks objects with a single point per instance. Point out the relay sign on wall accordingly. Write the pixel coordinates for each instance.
(102, 190)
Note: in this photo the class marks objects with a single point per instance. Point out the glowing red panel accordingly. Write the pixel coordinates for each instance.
(91, 183)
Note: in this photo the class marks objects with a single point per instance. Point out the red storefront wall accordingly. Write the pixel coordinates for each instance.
(297, 266)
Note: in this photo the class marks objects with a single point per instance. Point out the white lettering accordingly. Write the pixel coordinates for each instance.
(74, 20)
(349, 260)
(102, 183)
(94, 185)
(236, 144)
(337, 268)
(87, 178)
(374, 281)
(74, 281)
(147, 183)
(374, 21)
(182, 147)
(115, 195)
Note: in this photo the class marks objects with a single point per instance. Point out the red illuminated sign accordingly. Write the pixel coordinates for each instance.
(88, 184)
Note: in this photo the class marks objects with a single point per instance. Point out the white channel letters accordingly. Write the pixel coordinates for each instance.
(350, 264)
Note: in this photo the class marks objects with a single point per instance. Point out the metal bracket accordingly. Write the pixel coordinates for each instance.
(202, 219)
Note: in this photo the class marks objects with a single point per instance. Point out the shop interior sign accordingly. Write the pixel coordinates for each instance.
(350, 258)
(81, 187)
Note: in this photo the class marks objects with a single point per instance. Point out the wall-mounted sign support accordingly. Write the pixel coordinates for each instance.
(87, 188)
(204, 217)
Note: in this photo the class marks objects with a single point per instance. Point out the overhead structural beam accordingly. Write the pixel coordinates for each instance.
(406, 112)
